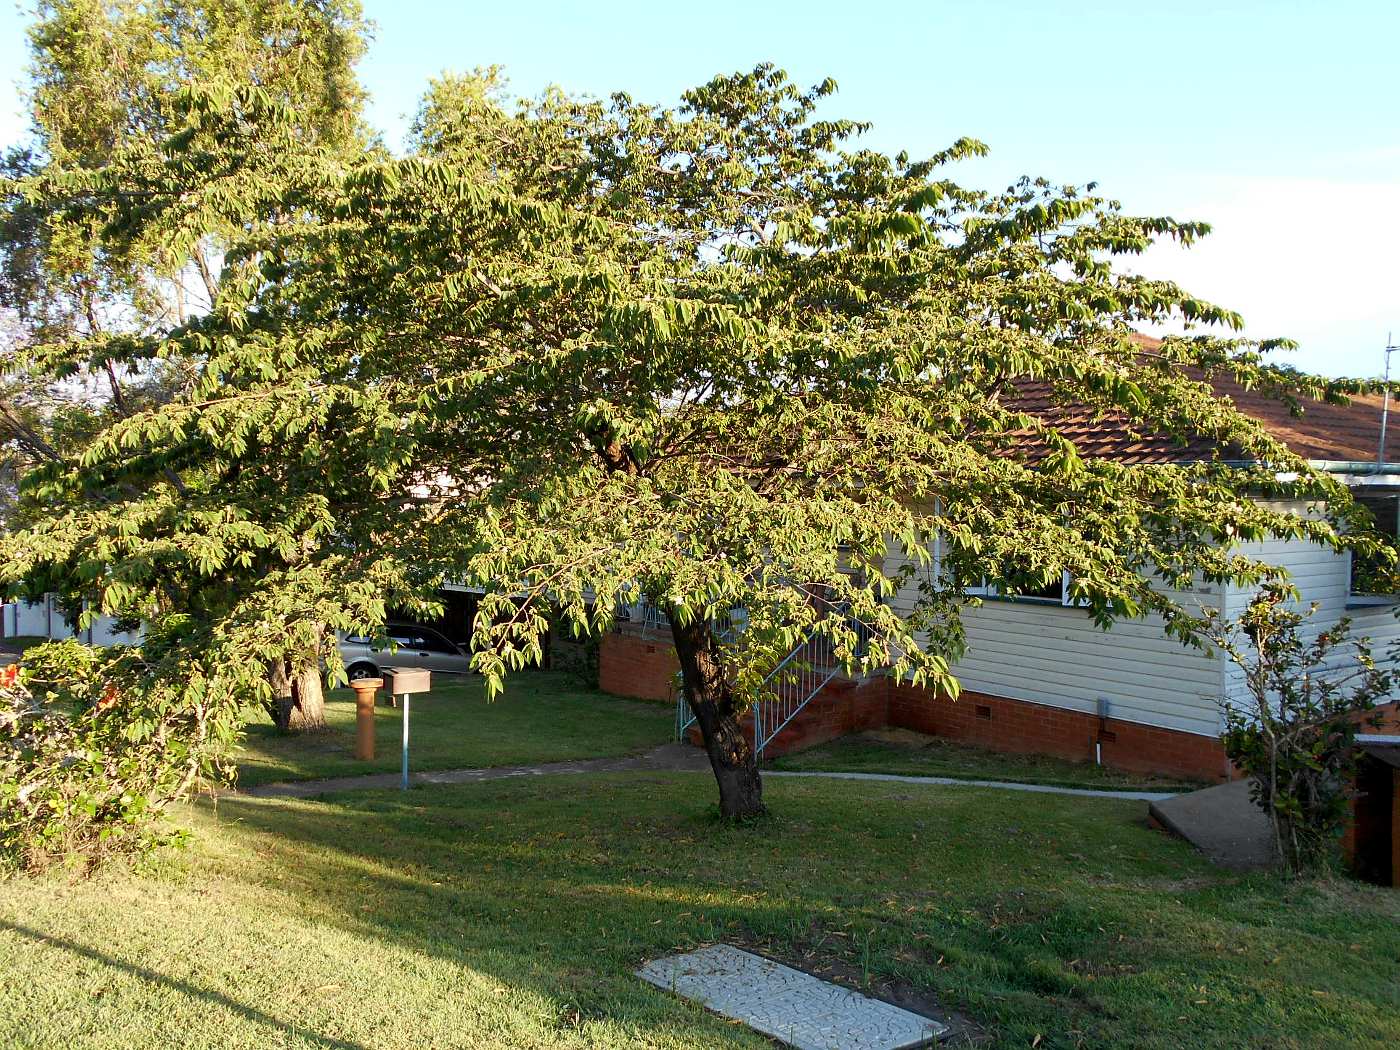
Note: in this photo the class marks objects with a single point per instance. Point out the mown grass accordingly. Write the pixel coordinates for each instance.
(512, 914)
(910, 754)
(543, 716)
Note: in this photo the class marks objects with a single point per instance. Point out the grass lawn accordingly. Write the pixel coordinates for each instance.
(913, 754)
(543, 716)
(512, 914)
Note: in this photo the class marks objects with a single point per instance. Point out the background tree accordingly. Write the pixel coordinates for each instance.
(578, 352)
(105, 84)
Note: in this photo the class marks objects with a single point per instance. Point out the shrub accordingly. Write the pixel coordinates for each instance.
(1293, 732)
(91, 754)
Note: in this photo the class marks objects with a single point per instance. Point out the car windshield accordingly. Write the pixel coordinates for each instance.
(404, 636)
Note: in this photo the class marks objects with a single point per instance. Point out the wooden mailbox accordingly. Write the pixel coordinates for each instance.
(406, 681)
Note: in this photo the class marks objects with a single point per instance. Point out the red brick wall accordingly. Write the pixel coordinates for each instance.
(842, 708)
(631, 665)
(1389, 715)
(1015, 725)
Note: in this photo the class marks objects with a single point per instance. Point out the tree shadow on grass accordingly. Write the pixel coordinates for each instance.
(1029, 915)
(566, 887)
(183, 987)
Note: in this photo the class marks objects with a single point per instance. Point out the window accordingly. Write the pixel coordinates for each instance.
(1054, 593)
(1385, 509)
(436, 643)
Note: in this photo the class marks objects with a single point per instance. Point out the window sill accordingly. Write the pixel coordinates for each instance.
(1021, 599)
(1371, 601)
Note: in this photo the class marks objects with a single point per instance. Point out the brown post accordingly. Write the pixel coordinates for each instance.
(365, 688)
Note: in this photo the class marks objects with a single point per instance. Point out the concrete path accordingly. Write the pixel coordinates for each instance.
(796, 1008)
(1006, 785)
(671, 757)
(676, 758)
(1223, 823)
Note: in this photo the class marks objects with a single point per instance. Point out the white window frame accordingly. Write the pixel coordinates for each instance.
(1067, 601)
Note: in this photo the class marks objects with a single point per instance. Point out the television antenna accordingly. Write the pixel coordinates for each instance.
(1390, 348)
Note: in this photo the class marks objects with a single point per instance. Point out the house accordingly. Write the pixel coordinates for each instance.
(1372, 839)
(46, 619)
(1039, 676)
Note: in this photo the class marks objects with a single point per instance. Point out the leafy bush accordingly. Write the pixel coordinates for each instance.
(1294, 734)
(92, 751)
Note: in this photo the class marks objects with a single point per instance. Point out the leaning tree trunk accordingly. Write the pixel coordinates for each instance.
(298, 700)
(712, 701)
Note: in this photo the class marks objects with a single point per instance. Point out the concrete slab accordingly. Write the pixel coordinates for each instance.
(1222, 823)
(791, 1006)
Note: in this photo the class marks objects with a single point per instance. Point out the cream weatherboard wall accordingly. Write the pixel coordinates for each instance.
(1321, 576)
(44, 619)
(1046, 653)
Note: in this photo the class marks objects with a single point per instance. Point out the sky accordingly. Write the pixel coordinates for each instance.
(1276, 122)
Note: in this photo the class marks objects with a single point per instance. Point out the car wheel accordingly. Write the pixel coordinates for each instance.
(355, 672)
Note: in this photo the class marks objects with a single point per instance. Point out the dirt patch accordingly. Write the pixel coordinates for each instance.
(899, 737)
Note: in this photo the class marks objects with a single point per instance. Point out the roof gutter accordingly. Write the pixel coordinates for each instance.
(1378, 473)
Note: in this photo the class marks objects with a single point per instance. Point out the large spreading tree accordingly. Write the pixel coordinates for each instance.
(579, 352)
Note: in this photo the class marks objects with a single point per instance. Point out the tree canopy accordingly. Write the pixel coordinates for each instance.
(105, 94)
(575, 352)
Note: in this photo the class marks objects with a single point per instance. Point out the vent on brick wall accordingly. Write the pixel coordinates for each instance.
(984, 711)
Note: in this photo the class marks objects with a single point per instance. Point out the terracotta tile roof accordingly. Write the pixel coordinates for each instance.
(1322, 431)
(1099, 437)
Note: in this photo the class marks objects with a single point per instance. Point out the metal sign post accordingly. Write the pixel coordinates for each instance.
(406, 698)
(405, 682)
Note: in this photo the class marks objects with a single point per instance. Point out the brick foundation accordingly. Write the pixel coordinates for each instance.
(1015, 725)
(637, 666)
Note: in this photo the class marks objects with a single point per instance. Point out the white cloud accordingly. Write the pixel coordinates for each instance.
(1316, 260)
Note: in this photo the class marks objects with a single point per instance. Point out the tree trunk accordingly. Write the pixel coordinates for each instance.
(279, 708)
(308, 698)
(298, 700)
(711, 699)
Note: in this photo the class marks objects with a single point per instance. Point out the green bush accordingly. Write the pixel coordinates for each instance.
(91, 754)
(1294, 733)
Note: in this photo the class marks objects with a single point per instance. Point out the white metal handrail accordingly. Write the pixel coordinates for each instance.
(790, 687)
(793, 684)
